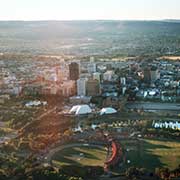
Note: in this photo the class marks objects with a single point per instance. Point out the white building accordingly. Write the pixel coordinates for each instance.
(107, 110)
(91, 67)
(81, 86)
(91, 59)
(123, 81)
(124, 90)
(108, 75)
(80, 109)
(97, 76)
(17, 90)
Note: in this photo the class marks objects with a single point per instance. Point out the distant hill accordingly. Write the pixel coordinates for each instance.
(128, 38)
(172, 20)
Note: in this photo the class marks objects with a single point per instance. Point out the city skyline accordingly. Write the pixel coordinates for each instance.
(89, 10)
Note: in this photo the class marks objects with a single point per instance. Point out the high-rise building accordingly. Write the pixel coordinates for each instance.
(147, 75)
(74, 71)
(81, 86)
(92, 87)
(123, 81)
(154, 74)
(68, 88)
(91, 67)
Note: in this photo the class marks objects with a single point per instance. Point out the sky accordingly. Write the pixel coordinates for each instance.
(89, 9)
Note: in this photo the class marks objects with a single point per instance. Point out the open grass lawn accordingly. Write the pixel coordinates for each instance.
(80, 156)
(154, 153)
(145, 153)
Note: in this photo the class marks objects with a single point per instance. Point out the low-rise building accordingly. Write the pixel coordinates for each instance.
(108, 76)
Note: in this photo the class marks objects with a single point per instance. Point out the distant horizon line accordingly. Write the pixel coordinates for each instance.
(3, 20)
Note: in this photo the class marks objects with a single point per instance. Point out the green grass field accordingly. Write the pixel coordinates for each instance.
(80, 156)
(154, 153)
(145, 153)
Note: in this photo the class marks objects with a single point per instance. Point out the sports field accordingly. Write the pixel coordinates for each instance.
(80, 156)
(145, 153)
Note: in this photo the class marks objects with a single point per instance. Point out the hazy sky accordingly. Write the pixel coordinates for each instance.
(89, 9)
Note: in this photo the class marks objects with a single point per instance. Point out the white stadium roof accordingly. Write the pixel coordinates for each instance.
(107, 110)
(80, 109)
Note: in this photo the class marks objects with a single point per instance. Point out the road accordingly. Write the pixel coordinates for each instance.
(47, 112)
(40, 117)
(153, 106)
(14, 134)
